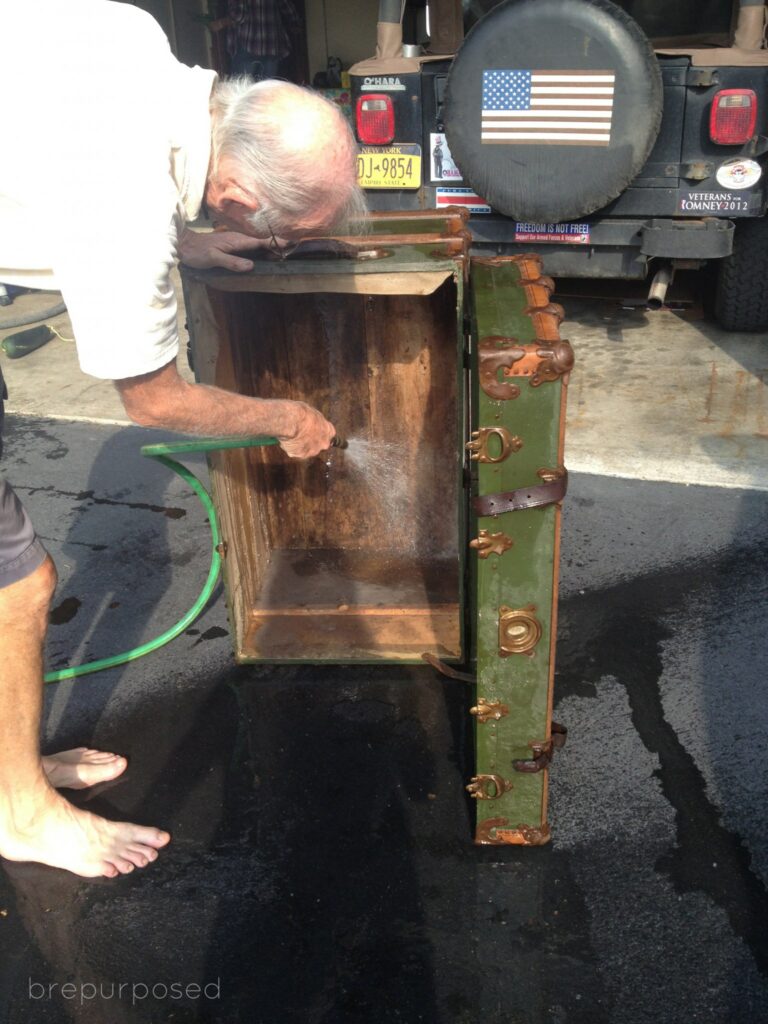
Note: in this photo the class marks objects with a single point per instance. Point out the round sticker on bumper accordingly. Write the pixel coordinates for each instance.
(738, 173)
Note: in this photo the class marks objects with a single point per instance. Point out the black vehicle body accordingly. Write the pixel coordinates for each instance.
(673, 213)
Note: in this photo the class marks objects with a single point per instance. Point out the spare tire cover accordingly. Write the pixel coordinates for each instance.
(552, 107)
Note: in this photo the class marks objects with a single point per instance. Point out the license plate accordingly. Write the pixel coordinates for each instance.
(389, 166)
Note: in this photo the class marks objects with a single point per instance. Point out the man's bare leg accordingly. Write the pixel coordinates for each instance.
(36, 822)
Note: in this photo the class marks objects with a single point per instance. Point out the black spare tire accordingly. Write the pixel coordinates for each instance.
(552, 107)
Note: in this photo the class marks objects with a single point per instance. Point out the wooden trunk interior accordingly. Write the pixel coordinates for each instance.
(354, 556)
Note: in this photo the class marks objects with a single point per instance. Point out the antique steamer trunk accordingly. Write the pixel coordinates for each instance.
(433, 536)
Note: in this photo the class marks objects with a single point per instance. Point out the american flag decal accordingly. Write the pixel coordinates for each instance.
(560, 108)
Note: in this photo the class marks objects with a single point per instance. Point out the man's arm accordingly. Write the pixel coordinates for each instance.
(164, 399)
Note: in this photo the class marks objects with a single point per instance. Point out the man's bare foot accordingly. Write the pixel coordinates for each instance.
(82, 767)
(49, 830)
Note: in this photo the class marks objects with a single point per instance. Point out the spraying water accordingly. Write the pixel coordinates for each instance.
(381, 468)
(375, 456)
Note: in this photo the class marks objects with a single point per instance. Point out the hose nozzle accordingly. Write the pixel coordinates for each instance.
(339, 442)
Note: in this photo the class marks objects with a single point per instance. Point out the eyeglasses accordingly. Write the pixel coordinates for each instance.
(281, 252)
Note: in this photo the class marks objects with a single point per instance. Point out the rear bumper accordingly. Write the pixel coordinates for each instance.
(616, 247)
(619, 245)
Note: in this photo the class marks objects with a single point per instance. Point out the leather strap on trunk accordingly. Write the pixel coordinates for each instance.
(537, 496)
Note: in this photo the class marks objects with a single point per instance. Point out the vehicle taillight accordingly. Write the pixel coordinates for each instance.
(732, 117)
(375, 119)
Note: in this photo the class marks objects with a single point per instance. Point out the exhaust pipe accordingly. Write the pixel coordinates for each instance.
(658, 290)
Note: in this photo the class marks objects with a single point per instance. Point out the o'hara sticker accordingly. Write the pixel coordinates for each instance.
(382, 83)
(722, 203)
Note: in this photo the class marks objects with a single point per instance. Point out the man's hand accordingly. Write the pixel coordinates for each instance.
(313, 432)
(206, 249)
(163, 399)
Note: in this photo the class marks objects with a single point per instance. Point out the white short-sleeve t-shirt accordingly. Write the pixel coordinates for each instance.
(104, 155)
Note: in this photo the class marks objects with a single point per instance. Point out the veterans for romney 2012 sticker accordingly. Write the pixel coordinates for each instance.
(721, 203)
(738, 173)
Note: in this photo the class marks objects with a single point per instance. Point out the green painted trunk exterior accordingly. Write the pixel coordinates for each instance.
(523, 576)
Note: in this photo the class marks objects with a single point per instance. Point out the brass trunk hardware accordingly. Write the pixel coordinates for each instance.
(455, 246)
(480, 445)
(488, 787)
(546, 322)
(519, 630)
(543, 752)
(537, 295)
(556, 362)
(498, 353)
(497, 832)
(456, 221)
(540, 281)
(550, 475)
(540, 361)
(546, 316)
(489, 710)
(484, 830)
(491, 544)
(529, 265)
(525, 835)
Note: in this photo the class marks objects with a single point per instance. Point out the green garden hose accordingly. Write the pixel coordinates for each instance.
(161, 453)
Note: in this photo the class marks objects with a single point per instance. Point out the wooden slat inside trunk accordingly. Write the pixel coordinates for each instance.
(354, 556)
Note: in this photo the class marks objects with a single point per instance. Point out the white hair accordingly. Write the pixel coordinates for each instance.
(294, 151)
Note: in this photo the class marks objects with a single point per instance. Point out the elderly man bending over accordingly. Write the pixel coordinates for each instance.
(107, 161)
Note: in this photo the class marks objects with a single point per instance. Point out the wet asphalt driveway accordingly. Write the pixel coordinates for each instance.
(321, 869)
